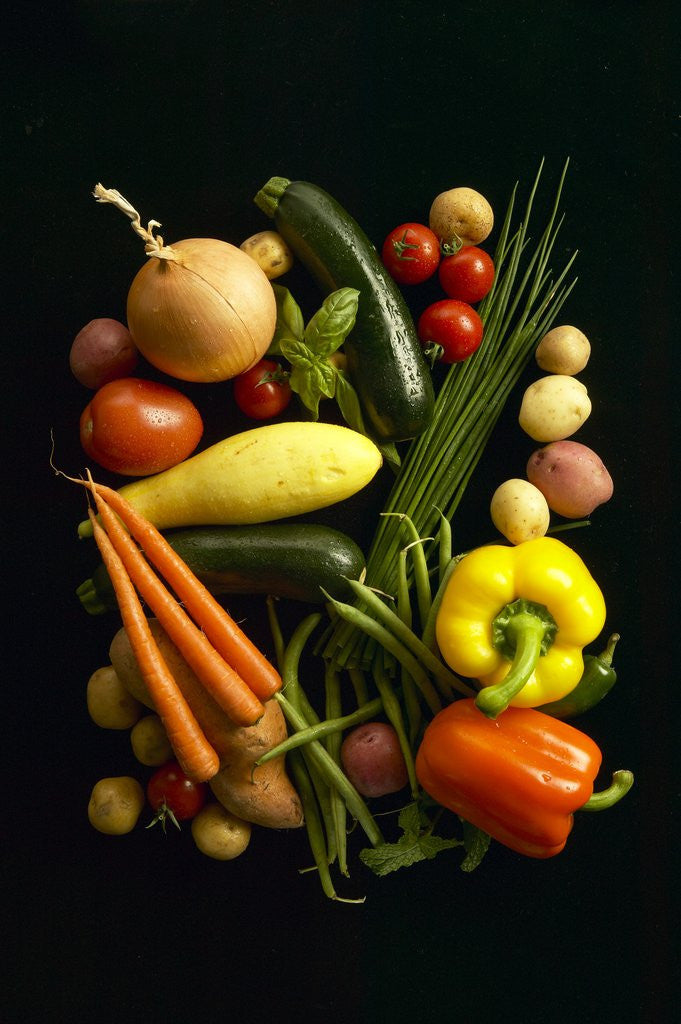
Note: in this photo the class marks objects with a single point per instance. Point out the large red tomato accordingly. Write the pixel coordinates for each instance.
(138, 427)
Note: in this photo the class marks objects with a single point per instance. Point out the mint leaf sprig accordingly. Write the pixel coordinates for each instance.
(417, 843)
(310, 348)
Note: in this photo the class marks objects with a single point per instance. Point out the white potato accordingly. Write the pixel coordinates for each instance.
(270, 252)
(219, 834)
(563, 350)
(109, 703)
(519, 510)
(115, 805)
(150, 743)
(554, 407)
(461, 213)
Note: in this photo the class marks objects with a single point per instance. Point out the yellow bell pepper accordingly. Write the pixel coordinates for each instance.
(516, 619)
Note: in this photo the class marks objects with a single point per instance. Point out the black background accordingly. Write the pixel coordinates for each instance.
(188, 108)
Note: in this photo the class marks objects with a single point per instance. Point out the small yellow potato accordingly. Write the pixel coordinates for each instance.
(110, 705)
(219, 834)
(150, 743)
(563, 350)
(270, 252)
(554, 407)
(461, 213)
(115, 805)
(519, 510)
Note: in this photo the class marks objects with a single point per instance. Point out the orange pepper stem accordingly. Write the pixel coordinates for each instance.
(622, 781)
(522, 631)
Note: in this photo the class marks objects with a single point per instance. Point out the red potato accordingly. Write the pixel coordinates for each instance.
(102, 351)
(373, 761)
(572, 478)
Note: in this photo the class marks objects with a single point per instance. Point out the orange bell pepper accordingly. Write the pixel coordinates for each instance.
(518, 777)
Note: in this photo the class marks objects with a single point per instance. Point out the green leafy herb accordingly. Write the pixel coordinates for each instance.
(416, 843)
(476, 844)
(308, 348)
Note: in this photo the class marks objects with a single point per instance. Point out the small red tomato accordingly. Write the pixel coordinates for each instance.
(453, 326)
(411, 253)
(171, 794)
(263, 391)
(139, 427)
(467, 275)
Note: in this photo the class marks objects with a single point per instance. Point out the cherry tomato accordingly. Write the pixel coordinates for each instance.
(453, 326)
(172, 795)
(139, 427)
(468, 275)
(411, 253)
(263, 391)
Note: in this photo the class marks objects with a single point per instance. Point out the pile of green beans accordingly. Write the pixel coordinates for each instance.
(314, 744)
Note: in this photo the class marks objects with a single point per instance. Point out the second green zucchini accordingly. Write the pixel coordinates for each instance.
(294, 561)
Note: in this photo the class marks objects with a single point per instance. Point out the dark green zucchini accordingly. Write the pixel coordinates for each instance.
(385, 359)
(281, 559)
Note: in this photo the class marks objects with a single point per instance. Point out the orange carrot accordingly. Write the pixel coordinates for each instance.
(220, 680)
(224, 634)
(193, 751)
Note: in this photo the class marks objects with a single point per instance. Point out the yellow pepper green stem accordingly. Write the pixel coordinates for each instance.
(522, 631)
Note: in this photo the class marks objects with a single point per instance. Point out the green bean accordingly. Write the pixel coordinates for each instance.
(444, 676)
(359, 684)
(314, 828)
(390, 642)
(333, 744)
(444, 546)
(277, 636)
(323, 729)
(393, 711)
(329, 770)
(291, 681)
(411, 701)
(428, 635)
(421, 575)
(296, 695)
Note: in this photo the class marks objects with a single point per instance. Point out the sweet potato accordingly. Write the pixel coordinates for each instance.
(264, 795)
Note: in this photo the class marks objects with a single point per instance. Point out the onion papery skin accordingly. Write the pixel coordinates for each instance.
(201, 311)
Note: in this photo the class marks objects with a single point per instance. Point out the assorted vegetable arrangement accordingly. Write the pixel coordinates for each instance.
(428, 684)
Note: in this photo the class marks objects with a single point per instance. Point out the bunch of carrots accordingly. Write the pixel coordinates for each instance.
(218, 651)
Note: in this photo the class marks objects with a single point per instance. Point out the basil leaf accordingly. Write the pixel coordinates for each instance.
(290, 325)
(348, 403)
(310, 377)
(329, 327)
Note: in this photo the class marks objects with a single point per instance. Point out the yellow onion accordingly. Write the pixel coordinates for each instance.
(199, 309)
